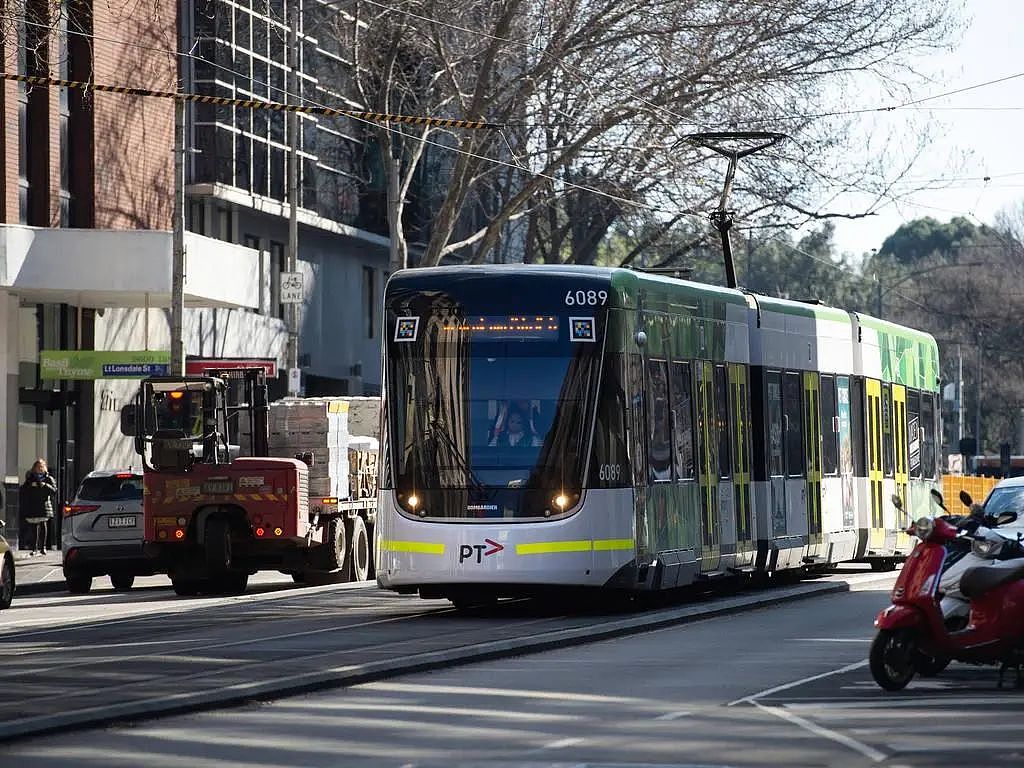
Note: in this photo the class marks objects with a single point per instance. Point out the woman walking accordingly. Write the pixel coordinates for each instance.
(37, 495)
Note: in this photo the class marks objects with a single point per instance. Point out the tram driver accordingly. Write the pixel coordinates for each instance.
(514, 427)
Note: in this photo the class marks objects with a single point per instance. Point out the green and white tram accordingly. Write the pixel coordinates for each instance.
(583, 427)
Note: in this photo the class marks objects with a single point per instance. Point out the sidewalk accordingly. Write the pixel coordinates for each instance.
(38, 573)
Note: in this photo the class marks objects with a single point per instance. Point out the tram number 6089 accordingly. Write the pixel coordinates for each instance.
(586, 298)
(610, 472)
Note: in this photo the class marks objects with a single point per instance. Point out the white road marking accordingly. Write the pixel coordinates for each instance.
(865, 640)
(562, 743)
(786, 686)
(672, 715)
(870, 753)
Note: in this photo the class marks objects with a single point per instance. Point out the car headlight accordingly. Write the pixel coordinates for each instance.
(923, 528)
(986, 548)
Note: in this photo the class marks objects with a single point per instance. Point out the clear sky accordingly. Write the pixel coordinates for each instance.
(967, 144)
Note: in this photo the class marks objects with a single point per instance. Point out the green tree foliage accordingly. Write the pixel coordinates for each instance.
(917, 240)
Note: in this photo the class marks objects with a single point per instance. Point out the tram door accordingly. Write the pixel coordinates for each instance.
(708, 466)
(846, 468)
(739, 418)
(812, 434)
(902, 474)
(873, 392)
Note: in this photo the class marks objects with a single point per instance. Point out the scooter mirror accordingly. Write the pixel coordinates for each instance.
(897, 502)
(1006, 518)
(965, 497)
(937, 499)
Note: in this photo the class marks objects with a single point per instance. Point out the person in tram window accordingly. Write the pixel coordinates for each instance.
(37, 495)
(514, 430)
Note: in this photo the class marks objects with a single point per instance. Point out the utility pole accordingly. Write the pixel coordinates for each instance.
(292, 119)
(977, 408)
(878, 296)
(178, 243)
(396, 261)
(959, 394)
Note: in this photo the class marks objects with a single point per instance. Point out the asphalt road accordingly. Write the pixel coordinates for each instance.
(783, 686)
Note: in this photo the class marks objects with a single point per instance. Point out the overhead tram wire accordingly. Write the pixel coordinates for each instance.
(274, 106)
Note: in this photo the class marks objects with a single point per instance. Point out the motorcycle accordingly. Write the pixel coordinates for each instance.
(912, 634)
(983, 545)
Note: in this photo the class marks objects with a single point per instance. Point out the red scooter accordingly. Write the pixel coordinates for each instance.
(912, 636)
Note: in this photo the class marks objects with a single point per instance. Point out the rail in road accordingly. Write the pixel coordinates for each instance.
(107, 657)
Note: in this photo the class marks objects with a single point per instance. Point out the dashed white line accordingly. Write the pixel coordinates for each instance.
(562, 743)
(672, 715)
(786, 686)
(870, 753)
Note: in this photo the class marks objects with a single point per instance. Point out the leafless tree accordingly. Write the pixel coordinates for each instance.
(596, 95)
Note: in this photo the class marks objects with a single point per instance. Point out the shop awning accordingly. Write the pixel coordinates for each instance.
(108, 268)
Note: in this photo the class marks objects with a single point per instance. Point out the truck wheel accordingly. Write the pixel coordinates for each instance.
(78, 583)
(358, 549)
(233, 583)
(7, 583)
(334, 547)
(122, 581)
(299, 577)
(218, 544)
(186, 587)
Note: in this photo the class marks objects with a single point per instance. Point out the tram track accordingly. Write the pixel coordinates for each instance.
(197, 660)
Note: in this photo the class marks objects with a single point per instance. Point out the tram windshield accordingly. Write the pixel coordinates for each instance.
(492, 405)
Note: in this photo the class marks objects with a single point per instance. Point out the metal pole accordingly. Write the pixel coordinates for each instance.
(977, 409)
(395, 258)
(178, 244)
(959, 394)
(293, 190)
(878, 296)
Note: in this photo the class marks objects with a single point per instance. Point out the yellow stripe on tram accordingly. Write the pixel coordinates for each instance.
(581, 545)
(610, 545)
(416, 547)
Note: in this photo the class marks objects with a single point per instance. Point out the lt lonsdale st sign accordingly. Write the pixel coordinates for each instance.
(88, 364)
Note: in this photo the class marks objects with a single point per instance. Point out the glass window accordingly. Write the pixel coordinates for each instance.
(659, 454)
(857, 420)
(914, 432)
(610, 465)
(776, 461)
(120, 487)
(369, 302)
(706, 421)
(722, 421)
(928, 424)
(681, 390)
(829, 427)
(793, 424)
(888, 440)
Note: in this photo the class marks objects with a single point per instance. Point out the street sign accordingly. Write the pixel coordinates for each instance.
(294, 381)
(197, 366)
(89, 364)
(291, 288)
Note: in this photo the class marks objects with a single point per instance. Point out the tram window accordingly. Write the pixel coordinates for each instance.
(681, 390)
(793, 424)
(740, 417)
(914, 432)
(706, 422)
(722, 421)
(610, 465)
(857, 426)
(659, 457)
(776, 461)
(635, 388)
(829, 427)
(888, 459)
(928, 443)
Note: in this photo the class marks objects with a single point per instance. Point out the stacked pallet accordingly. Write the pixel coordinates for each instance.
(340, 432)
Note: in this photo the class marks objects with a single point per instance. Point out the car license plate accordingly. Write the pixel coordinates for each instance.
(121, 521)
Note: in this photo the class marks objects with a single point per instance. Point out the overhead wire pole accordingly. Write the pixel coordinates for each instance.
(293, 198)
(178, 244)
(722, 218)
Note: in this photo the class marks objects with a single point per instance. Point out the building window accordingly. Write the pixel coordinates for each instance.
(370, 302)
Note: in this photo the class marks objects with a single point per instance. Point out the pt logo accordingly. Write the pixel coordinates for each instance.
(467, 551)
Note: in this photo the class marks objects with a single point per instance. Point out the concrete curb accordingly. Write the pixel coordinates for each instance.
(39, 588)
(355, 674)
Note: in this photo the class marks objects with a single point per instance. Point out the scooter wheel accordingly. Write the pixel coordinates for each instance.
(892, 658)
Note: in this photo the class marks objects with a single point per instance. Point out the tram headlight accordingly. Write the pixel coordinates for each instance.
(561, 501)
(413, 501)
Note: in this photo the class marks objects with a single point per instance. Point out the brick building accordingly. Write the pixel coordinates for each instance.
(86, 193)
